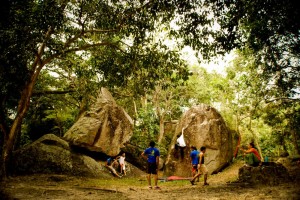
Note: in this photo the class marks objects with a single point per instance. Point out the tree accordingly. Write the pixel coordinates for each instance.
(39, 35)
(269, 122)
(283, 116)
(116, 38)
(249, 94)
(269, 28)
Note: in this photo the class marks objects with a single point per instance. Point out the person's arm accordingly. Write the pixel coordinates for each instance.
(244, 150)
(247, 151)
(200, 159)
(114, 162)
(143, 154)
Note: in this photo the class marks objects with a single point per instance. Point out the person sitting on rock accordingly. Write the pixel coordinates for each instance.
(110, 162)
(252, 156)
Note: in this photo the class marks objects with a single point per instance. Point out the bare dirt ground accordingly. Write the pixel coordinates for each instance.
(61, 187)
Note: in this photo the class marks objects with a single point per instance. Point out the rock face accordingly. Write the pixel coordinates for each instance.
(133, 156)
(204, 127)
(269, 174)
(52, 155)
(105, 128)
(292, 164)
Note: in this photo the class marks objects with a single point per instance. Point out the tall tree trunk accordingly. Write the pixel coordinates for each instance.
(23, 106)
(9, 143)
(161, 129)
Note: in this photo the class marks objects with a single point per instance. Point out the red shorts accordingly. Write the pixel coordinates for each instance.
(194, 168)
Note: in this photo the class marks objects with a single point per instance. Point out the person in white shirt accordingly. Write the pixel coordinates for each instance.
(122, 164)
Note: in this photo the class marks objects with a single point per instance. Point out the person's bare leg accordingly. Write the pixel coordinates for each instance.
(121, 166)
(149, 180)
(194, 178)
(155, 179)
(155, 182)
(193, 173)
(117, 174)
(205, 179)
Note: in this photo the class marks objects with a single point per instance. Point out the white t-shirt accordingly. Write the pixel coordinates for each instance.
(122, 160)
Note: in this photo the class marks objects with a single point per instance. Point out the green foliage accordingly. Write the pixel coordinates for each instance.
(84, 45)
(146, 128)
(271, 122)
(48, 115)
(271, 30)
(283, 117)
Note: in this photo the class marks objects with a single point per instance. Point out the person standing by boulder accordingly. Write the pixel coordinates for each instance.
(122, 164)
(152, 154)
(194, 155)
(202, 169)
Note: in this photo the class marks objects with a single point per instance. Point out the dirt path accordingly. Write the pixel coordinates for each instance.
(61, 187)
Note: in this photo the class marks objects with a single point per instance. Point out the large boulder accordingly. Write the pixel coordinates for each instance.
(52, 155)
(292, 164)
(133, 156)
(105, 128)
(204, 127)
(267, 174)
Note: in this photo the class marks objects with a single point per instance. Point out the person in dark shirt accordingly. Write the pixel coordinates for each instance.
(152, 154)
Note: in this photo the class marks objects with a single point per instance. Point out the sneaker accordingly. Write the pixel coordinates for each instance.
(150, 187)
(192, 182)
(205, 184)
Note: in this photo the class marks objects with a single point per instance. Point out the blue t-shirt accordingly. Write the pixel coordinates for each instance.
(194, 155)
(109, 160)
(152, 152)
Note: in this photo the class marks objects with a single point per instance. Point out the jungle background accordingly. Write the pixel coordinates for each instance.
(55, 55)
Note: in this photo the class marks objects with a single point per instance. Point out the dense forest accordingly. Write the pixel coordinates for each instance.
(56, 55)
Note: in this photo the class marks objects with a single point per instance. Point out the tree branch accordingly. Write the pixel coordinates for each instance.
(84, 47)
(38, 93)
(281, 98)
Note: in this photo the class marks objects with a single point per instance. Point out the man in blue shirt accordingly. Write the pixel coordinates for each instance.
(194, 155)
(152, 154)
(202, 169)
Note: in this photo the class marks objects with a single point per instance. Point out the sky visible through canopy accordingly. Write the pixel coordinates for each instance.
(219, 64)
